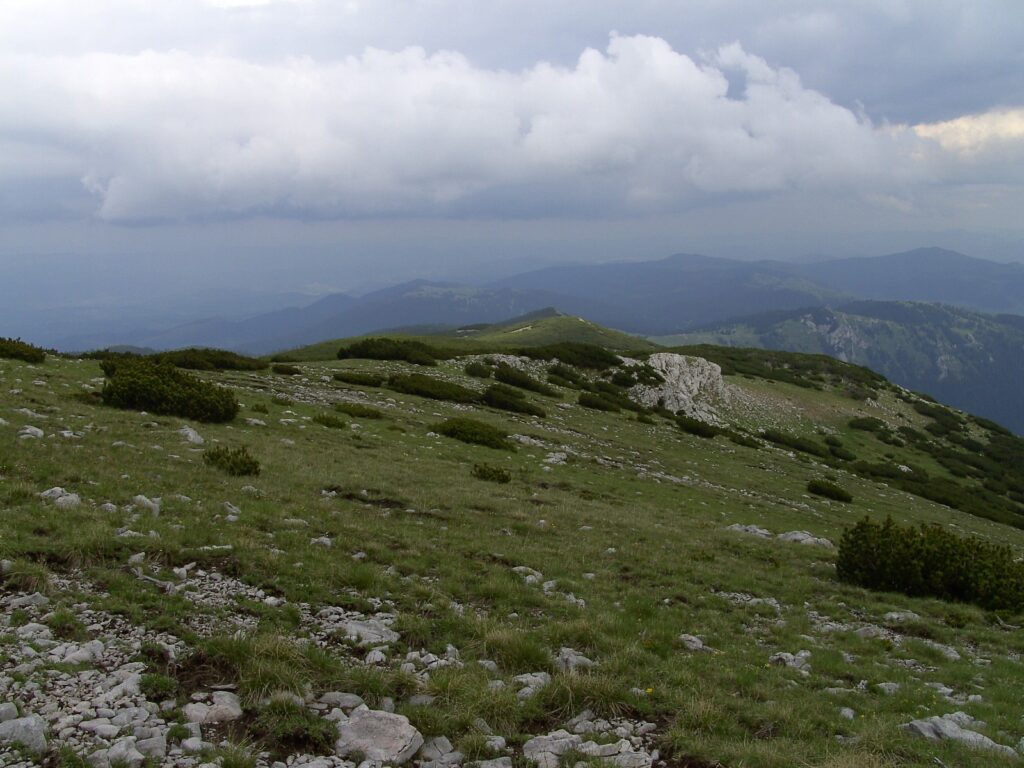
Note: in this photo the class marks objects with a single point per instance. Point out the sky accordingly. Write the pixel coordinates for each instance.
(154, 153)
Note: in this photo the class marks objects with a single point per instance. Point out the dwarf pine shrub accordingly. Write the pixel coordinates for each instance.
(509, 399)
(474, 432)
(360, 379)
(597, 402)
(491, 473)
(406, 350)
(478, 370)
(506, 374)
(329, 421)
(575, 353)
(158, 387)
(796, 442)
(359, 411)
(929, 561)
(234, 461)
(697, 427)
(283, 369)
(16, 349)
(829, 491)
(428, 386)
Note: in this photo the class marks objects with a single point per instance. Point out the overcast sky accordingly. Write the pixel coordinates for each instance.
(322, 145)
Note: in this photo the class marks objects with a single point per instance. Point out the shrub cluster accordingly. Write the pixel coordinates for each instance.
(206, 359)
(286, 370)
(506, 374)
(358, 411)
(796, 442)
(428, 386)
(329, 421)
(637, 374)
(360, 379)
(478, 370)
(829, 491)
(509, 399)
(574, 353)
(158, 387)
(491, 473)
(408, 350)
(16, 349)
(234, 461)
(598, 402)
(474, 432)
(697, 427)
(564, 376)
(931, 561)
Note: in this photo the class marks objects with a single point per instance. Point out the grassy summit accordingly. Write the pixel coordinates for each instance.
(372, 556)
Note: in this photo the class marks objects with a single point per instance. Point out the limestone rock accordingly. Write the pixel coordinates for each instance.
(692, 385)
(29, 732)
(382, 737)
(953, 727)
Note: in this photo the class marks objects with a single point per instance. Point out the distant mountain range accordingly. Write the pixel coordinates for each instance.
(967, 359)
(672, 295)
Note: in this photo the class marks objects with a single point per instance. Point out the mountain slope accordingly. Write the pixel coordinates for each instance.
(968, 359)
(607, 572)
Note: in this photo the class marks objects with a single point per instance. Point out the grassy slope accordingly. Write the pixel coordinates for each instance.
(500, 336)
(658, 551)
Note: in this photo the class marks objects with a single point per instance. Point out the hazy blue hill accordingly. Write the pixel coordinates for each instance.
(968, 359)
(925, 274)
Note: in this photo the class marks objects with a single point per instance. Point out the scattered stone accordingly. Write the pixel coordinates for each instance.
(799, 661)
(570, 661)
(191, 436)
(956, 727)
(29, 732)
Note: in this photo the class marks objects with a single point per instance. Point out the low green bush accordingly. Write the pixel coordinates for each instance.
(574, 353)
(564, 376)
(360, 379)
(637, 374)
(868, 424)
(358, 411)
(491, 473)
(478, 370)
(16, 349)
(207, 359)
(796, 442)
(160, 388)
(474, 432)
(509, 399)
(234, 461)
(428, 386)
(597, 402)
(284, 369)
(697, 427)
(329, 421)
(929, 561)
(407, 350)
(514, 377)
(829, 491)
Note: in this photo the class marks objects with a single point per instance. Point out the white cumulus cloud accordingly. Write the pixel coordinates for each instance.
(636, 127)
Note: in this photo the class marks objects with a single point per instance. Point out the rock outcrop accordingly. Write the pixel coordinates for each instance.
(692, 385)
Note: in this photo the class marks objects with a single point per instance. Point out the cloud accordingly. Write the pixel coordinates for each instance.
(971, 134)
(637, 127)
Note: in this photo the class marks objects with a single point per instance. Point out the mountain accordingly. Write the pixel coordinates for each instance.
(971, 360)
(666, 296)
(925, 274)
(678, 292)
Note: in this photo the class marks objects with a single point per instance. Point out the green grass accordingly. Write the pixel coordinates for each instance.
(634, 525)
